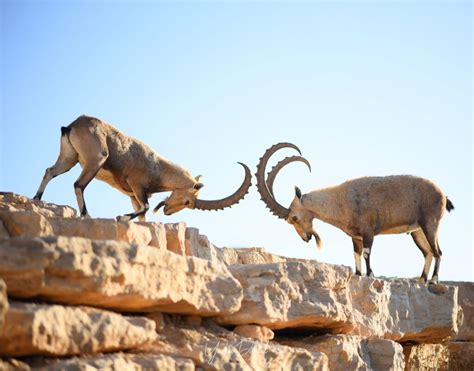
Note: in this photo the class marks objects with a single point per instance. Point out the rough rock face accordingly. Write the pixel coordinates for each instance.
(256, 332)
(215, 348)
(293, 294)
(254, 255)
(176, 238)
(3, 302)
(115, 361)
(12, 202)
(33, 224)
(32, 329)
(116, 275)
(426, 357)
(403, 310)
(466, 301)
(352, 352)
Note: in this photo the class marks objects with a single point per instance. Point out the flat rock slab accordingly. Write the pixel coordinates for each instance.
(116, 275)
(34, 224)
(352, 352)
(293, 294)
(403, 310)
(55, 330)
(114, 361)
(215, 348)
(10, 201)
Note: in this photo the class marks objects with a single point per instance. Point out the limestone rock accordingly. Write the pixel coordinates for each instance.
(158, 234)
(115, 361)
(198, 245)
(253, 255)
(116, 275)
(3, 231)
(215, 348)
(260, 333)
(403, 310)
(3, 303)
(176, 238)
(12, 202)
(352, 352)
(294, 294)
(33, 224)
(466, 301)
(39, 329)
(10, 364)
(425, 357)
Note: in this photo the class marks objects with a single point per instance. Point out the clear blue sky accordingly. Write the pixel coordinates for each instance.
(366, 88)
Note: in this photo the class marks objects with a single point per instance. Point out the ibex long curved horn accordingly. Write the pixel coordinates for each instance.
(230, 200)
(276, 169)
(266, 195)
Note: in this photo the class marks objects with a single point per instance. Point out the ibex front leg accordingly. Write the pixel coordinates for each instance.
(141, 198)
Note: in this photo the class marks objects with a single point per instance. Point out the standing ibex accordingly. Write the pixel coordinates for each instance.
(364, 208)
(130, 166)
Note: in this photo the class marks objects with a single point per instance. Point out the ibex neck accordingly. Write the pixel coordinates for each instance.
(171, 176)
(324, 205)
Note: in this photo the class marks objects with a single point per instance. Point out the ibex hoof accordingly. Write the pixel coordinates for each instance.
(123, 218)
(371, 274)
(422, 280)
(434, 280)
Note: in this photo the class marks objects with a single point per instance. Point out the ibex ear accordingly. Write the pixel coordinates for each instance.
(198, 186)
(198, 178)
(298, 192)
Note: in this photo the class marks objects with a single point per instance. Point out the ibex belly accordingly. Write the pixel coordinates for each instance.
(108, 177)
(407, 228)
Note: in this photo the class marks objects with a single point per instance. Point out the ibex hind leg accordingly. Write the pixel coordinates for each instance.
(430, 231)
(66, 160)
(422, 243)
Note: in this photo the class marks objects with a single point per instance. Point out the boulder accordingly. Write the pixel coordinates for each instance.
(252, 255)
(198, 245)
(55, 330)
(294, 294)
(176, 238)
(12, 202)
(116, 275)
(352, 352)
(403, 310)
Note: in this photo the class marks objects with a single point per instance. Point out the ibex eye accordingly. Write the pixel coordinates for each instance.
(187, 203)
(295, 218)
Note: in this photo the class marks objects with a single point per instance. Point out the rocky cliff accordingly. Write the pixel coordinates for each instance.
(100, 294)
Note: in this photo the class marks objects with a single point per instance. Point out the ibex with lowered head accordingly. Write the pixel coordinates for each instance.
(364, 208)
(130, 166)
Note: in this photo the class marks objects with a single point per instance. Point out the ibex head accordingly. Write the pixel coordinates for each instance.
(181, 198)
(297, 215)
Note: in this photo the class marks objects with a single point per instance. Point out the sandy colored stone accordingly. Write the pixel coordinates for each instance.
(13, 202)
(215, 348)
(352, 352)
(10, 364)
(116, 275)
(198, 245)
(115, 361)
(426, 357)
(3, 303)
(55, 330)
(294, 294)
(466, 301)
(403, 310)
(33, 224)
(251, 255)
(260, 333)
(176, 238)
(158, 234)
